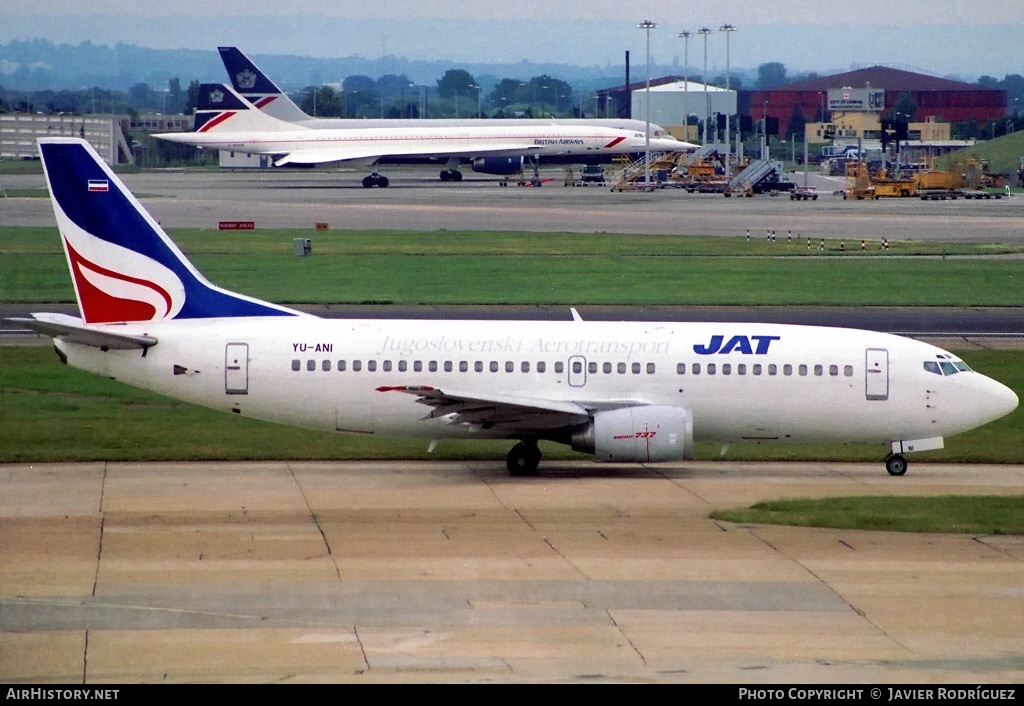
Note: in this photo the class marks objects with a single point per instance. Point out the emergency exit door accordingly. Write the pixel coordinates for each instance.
(236, 369)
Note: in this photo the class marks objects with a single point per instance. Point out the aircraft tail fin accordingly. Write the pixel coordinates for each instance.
(220, 109)
(123, 266)
(257, 88)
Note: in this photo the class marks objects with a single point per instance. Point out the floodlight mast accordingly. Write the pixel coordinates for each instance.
(647, 25)
(685, 36)
(728, 29)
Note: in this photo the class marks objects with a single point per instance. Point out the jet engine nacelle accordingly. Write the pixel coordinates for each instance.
(638, 434)
(503, 166)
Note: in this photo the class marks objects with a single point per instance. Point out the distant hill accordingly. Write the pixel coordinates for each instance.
(38, 65)
(1003, 154)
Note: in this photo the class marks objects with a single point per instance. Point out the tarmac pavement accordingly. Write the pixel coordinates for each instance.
(454, 571)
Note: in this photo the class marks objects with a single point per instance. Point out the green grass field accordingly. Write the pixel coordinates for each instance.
(448, 267)
(967, 514)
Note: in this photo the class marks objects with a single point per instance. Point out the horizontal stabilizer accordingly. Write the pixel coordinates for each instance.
(74, 330)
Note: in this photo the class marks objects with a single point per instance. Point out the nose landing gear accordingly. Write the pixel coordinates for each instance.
(895, 464)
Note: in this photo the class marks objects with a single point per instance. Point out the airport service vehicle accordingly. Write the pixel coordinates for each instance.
(626, 392)
(257, 88)
(225, 120)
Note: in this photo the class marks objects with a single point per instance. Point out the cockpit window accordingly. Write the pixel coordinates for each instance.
(962, 366)
(948, 368)
(932, 367)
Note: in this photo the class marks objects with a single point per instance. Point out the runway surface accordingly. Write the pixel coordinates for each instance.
(455, 572)
(418, 201)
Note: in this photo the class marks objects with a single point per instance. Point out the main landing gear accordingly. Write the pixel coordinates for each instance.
(451, 175)
(523, 459)
(375, 179)
(895, 464)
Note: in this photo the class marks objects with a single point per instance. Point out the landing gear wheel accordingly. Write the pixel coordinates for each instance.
(896, 465)
(369, 182)
(382, 182)
(523, 459)
(373, 180)
(445, 175)
(456, 175)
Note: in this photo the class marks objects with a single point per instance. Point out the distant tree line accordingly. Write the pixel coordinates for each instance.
(456, 94)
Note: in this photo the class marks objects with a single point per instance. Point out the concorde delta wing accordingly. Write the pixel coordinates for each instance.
(515, 414)
(374, 149)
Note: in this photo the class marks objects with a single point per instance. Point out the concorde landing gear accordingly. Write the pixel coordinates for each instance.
(895, 464)
(375, 179)
(451, 175)
(523, 459)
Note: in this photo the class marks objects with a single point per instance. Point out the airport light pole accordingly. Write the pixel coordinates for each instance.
(728, 29)
(479, 107)
(647, 25)
(707, 109)
(685, 36)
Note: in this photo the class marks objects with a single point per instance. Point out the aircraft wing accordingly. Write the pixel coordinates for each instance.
(364, 151)
(74, 330)
(488, 411)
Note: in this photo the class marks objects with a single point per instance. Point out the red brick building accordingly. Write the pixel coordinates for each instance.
(935, 97)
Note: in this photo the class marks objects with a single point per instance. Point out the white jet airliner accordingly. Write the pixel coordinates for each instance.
(225, 120)
(256, 87)
(625, 392)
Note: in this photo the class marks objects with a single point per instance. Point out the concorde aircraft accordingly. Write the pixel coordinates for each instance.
(256, 87)
(624, 391)
(227, 121)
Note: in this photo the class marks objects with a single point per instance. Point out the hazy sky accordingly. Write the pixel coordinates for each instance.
(942, 37)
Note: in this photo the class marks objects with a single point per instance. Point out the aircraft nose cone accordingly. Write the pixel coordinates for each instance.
(999, 400)
(1005, 399)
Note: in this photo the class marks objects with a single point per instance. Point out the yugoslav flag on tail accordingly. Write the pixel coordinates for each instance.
(254, 85)
(123, 266)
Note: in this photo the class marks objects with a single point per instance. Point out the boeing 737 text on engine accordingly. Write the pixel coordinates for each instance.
(633, 392)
